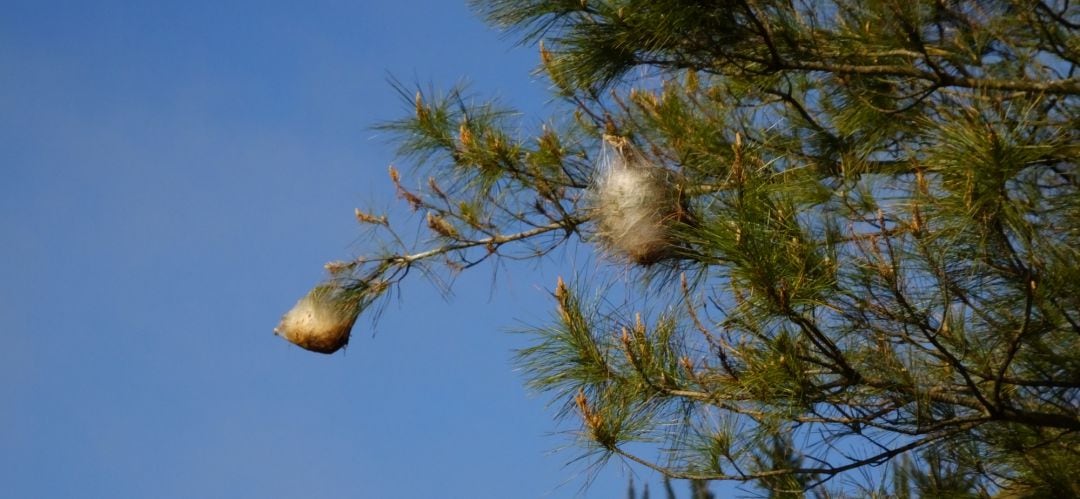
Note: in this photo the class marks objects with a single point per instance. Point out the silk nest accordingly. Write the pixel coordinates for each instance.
(634, 203)
(321, 321)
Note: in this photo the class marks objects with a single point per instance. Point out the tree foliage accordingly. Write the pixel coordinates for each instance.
(871, 243)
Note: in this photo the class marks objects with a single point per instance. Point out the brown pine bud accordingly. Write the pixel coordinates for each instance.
(440, 226)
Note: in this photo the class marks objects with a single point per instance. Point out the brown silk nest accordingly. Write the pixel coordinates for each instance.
(321, 321)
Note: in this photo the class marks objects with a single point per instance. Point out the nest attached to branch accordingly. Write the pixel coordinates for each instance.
(322, 320)
(635, 204)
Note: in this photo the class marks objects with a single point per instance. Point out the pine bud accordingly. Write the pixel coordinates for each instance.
(338, 267)
(421, 111)
(465, 136)
(368, 218)
(440, 226)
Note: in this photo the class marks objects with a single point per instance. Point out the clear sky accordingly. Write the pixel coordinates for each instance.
(174, 176)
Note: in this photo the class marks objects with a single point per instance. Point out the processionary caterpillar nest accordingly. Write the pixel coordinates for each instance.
(635, 203)
(321, 321)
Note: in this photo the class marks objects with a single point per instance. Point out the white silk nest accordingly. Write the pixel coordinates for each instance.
(634, 203)
(321, 321)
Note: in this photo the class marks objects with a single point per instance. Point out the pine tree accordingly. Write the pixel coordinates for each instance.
(857, 223)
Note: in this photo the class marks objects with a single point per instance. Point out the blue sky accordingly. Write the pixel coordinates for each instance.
(174, 176)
